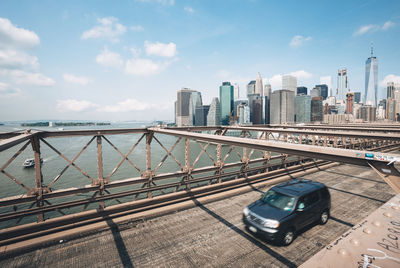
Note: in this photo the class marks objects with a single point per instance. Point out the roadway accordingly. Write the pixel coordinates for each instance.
(213, 235)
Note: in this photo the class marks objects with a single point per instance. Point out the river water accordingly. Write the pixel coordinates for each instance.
(53, 164)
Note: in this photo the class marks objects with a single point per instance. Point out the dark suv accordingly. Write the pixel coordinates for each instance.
(286, 208)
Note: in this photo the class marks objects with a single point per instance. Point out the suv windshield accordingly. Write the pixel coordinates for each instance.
(278, 200)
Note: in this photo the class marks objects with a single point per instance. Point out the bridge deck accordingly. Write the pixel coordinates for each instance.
(213, 234)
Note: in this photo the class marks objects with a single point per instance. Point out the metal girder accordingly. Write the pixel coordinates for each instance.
(355, 157)
(10, 142)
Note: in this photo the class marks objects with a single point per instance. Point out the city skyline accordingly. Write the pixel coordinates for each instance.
(127, 62)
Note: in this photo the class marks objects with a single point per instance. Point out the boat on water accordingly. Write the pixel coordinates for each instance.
(30, 162)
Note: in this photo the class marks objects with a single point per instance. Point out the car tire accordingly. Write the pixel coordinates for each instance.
(324, 217)
(288, 237)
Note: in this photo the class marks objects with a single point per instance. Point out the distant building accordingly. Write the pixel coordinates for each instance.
(289, 82)
(301, 91)
(389, 90)
(251, 87)
(371, 80)
(267, 104)
(349, 102)
(391, 109)
(196, 101)
(236, 92)
(236, 103)
(255, 105)
(357, 97)
(316, 109)
(184, 107)
(282, 106)
(259, 85)
(342, 84)
(367, 113)
(214, 113)
(201, 115)
(315, 92)
(302, 109)
(243, 112)
(323, 89)
(338, 118)
(226, 102)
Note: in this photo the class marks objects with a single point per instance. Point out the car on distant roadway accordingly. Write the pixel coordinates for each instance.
(287, 208)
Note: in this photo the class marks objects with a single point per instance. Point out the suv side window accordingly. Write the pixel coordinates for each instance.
(308, 200)
(324, 193)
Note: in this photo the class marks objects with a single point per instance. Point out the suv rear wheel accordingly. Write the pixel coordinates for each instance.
(287, 237)
(323, 218)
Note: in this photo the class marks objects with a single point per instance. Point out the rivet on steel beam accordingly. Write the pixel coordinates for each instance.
(387, 214)
(377, 223)
(343, 252)
(355, 242)
(367, 231)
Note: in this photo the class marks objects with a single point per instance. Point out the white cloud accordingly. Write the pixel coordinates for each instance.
(108, 28)
(276, 81)
(72, 105)
(160, 49)
(189, 9)
(127, 105)
(301, 74)
(12, 36)
(327, 80)
(162, 2)
(136, 28)
(142, 67)
(6, 91)
(224, 74)
(109, 59)
(13, 59)
(387, 25)
(80, 80)
(26, 78)
(390, 78)
(135, 51)
(299, 40)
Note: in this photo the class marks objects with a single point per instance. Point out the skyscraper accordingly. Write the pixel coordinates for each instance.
(357, 97)
(302, 108)
(316, 109)
(236, 92)
(390, 89)
(196, 101)
(342, 85)
(201, 115)
(267, 103)
(251, 87)
(371, 80)
(282, 106)
(315, 92)
(214, 113)
(259, 85)
(226, 102)
(184, 107)
(289, 82)
(349, 102)
(255, 105)
(323, 90)
(301, 91)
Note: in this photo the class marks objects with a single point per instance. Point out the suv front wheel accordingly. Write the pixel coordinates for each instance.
(287, 237)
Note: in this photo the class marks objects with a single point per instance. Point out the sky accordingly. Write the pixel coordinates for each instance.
(125, 60)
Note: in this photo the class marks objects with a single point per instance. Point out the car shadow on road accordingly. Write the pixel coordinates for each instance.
(250, 238)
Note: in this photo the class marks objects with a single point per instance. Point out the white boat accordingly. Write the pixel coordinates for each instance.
(30, 162)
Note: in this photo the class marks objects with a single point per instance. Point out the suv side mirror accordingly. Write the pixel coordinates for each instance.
(300, 207)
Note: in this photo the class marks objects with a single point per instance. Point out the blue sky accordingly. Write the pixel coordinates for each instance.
(125, 60)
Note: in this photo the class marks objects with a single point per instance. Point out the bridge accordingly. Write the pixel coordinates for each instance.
(238, 160)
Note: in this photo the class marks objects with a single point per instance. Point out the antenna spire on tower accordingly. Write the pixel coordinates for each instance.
(372, 49)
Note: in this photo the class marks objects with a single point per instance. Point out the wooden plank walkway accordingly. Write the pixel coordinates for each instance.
(213, 235)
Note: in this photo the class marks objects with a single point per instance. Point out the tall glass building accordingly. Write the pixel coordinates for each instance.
(213, 116)
(342, 85)
(371, 80)
(226, 102)
(302, 108)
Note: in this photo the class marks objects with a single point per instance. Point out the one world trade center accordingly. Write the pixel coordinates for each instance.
(371, 80)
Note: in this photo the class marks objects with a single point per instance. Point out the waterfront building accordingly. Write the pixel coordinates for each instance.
(267, 103)
(342, 85)
(214, 113)
(357, 97)
(196, 101)
(371, 80)
(259, 85)
(251, 87)
(289, 82)
(201, 115)
(302, 109)
(184, 107)
(301, 91)
(236, 92)
(226, 102)
(316, 109)
(282, 107)
(390, 90)
(255, 105)
(349, 102)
